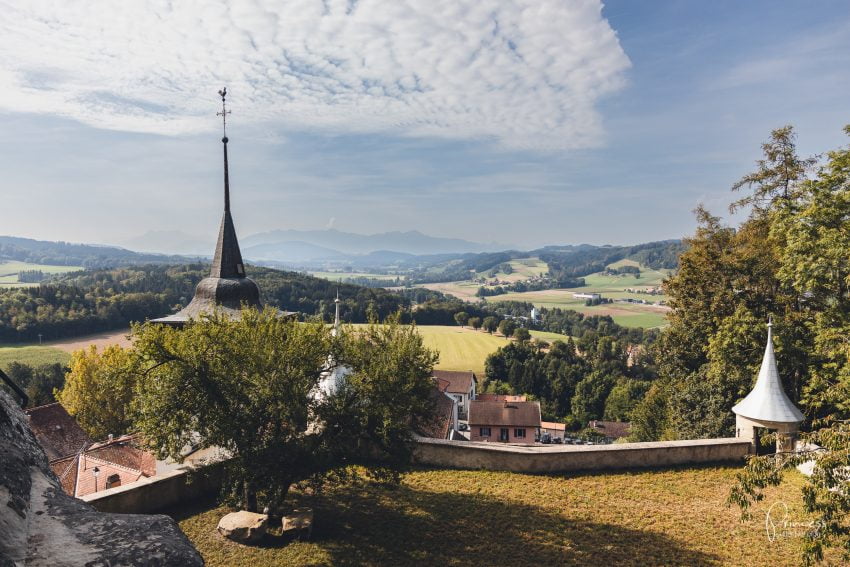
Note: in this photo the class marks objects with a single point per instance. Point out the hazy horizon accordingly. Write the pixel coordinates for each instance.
(525, 123)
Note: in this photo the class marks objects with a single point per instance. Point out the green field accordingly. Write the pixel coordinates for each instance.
(674, 516)
(614, 287)
(9, 272)
(32, 355)
(523, 269)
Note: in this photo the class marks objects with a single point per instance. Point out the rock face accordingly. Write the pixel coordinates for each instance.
(40, 525)
(243, 527)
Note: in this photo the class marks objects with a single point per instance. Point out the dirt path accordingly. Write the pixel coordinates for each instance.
(101, 340)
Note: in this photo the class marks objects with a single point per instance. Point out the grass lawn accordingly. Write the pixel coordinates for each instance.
(32, 355)
(550, 337)
(9, 272)
(448, 517)
(461, 348)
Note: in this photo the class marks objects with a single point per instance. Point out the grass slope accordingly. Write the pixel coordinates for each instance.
(32, 355)
(450, 517)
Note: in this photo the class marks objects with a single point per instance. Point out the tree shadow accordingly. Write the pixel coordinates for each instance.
(404, 526)
(369, 524)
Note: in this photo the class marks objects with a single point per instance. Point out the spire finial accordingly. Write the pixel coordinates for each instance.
(224, 112)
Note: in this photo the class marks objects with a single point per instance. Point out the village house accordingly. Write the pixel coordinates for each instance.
(445, 421)
(553, 429)
(83, 466)
(115, 462)
(461, 385)
(505, 422)
(611, 430)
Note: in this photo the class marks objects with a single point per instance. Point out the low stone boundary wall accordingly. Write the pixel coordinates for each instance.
(569, 458)
(187, 483)
(160, 491)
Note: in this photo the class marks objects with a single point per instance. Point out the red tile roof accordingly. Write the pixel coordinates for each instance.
(119, 459)
(553, 425)
(57, 432)
(460, 381)
(520, 414)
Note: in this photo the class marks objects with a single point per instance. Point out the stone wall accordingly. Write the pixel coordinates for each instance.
(159, 492)
(569, 458)
(40, 525)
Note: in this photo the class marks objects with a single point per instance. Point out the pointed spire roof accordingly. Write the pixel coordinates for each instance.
(767, 401)
(336, 315)
(227, 261)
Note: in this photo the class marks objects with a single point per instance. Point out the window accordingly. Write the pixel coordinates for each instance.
(503, 434)
(520, 433)
(484, 432)
(113, 480)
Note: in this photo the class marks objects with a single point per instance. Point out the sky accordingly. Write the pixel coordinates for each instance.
(520, 122)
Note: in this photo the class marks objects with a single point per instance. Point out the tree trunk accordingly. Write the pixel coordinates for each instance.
(249, 497)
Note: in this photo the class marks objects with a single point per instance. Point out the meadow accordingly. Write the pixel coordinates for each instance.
(465, 348)
(9, 272)
(610, 286)
(673, 516)
(32, 355)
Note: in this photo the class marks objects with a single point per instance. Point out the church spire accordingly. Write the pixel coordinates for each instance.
(227, 262)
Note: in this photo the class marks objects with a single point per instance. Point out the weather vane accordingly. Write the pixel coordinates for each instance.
(224, 112)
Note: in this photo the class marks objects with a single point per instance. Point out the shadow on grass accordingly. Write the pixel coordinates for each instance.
(403, 526)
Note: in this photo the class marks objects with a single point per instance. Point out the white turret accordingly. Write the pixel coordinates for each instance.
(767, 406)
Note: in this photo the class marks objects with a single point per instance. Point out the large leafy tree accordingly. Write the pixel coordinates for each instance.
(99, 388)
(251, 387)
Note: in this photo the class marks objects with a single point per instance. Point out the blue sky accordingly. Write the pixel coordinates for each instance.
(527, 123)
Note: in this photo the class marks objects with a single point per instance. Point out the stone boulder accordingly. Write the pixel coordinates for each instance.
(40, 525)
(243, 527)
(299, 521)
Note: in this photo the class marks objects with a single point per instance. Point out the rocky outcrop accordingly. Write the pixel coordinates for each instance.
(243, 527)
(40, 525)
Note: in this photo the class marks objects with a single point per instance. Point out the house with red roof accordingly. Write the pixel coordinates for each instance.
(504, 422)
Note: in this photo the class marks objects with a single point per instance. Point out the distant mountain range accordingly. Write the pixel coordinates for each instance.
(312, 247)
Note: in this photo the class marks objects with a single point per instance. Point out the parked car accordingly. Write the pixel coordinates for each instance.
(556, 440)
(546, 438)
(463, 427)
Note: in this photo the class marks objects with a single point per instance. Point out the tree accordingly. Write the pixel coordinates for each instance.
(522, 335)
(506, 327)
(475, 322)
(623, 398)
(814, 224)
(252, 387)
(490, 324)
(99, 389)
(461, 318)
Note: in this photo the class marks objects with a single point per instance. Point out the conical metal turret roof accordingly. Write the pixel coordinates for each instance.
(767, 401)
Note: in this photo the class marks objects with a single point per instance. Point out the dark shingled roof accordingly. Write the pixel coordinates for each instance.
(440, 426)
(511, 414)
(227, 289)
(57, 432)
(612, 429)
(460, 381)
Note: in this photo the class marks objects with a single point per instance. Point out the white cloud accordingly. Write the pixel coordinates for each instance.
(527, 73)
